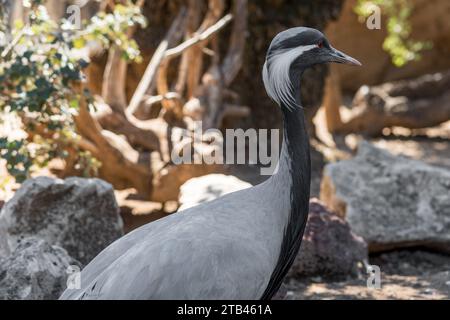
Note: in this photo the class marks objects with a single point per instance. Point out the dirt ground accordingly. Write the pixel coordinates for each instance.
(405, 275)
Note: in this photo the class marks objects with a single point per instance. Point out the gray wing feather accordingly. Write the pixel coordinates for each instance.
(183, 256)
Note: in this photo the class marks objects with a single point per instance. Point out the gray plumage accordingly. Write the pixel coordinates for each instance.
(238, 246)
(221, 249)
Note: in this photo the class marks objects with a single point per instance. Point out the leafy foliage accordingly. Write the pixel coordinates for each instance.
(17, 158)
(397, 42)
(40, 63)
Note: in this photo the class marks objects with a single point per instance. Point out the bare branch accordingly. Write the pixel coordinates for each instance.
(174, 52)
(116, 168)
(195, 54)
(15, 41)
(150, 100)
(183, 69)
(114, 81)
(115, 74)
(163, 53)
(233, 59)
(150, 73)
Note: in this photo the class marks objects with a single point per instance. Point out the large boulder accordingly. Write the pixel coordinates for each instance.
(36, 270)
(390, 201)
(80, 215)
(207, 188)
(329, 248)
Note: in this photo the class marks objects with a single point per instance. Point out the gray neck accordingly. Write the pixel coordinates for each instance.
(293, 178)
(294, 163)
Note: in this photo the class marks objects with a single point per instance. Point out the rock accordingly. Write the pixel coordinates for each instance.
(329, 248)
(36, 270)
(207, 188)
(390, 201)
(4, 246)
(80, 215)
(441, 281)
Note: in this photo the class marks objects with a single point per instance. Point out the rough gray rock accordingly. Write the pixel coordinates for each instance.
(80, 215)
(4, 247)
(34, 271)
(329, 248)
(207, 188)
(390, 201)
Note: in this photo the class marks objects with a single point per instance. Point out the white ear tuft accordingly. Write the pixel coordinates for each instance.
(277, 80)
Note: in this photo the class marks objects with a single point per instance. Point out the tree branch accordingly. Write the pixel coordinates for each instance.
(233, 60)
(150, 73)
(174, 52)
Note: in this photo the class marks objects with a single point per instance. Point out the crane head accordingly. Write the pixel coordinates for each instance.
(306, 47)
(290, 53)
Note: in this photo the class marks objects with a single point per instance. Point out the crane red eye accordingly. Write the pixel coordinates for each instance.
(320, 44)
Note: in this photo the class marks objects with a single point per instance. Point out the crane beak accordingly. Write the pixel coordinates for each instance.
(340, 57)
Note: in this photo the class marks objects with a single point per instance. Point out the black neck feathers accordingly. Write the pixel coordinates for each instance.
(294, 160)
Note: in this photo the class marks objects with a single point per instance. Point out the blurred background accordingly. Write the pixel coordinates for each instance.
(95, 97)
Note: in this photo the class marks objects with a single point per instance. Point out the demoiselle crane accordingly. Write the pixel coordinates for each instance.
(239, 246)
